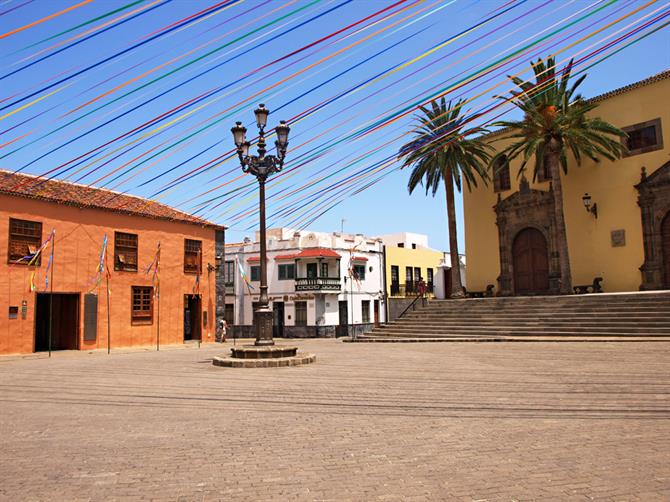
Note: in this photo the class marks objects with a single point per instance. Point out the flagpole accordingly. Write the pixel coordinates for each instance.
(158, 317)
(51, 295)
(158, 298)
(109, 337)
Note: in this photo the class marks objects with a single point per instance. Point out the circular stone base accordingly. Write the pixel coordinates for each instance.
(274, 362)
(263, 351)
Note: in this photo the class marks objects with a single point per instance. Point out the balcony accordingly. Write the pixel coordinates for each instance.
(230, 288)
(318, 284)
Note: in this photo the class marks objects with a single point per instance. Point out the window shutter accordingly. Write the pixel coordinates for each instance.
(90, 317)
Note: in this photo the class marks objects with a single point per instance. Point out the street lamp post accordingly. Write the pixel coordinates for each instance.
(262, 166)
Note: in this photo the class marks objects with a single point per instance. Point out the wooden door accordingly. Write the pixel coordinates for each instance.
(447, 282)
(343, 325)
(376, 312)
(278, 319)
(531, 262)
(192, 317)
(665, 248)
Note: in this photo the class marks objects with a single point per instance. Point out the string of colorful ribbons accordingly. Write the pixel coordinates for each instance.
(331, 161)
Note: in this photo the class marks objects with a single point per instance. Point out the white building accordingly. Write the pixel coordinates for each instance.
(319, 284)
(442, 280)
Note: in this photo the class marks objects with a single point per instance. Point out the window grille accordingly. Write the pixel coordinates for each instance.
(192, 256)
(125, 251)
(142, 309)
(25, 238)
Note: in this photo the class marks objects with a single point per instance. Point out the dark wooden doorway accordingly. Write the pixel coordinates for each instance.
(192, 316)
(277, 319)
(343, 325)
(530, 262)
(447, 282)
(64, 319)
(376, 312)
(665, 248)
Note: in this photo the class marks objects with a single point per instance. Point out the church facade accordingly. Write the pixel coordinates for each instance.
(617, 213)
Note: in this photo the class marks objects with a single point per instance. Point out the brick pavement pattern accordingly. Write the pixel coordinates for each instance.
(410, 422)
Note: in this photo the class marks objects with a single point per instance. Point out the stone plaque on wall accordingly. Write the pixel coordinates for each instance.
(618, 238)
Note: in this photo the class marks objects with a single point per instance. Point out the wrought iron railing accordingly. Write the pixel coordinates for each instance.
(318, 284)
(409, 288)
(418, 300)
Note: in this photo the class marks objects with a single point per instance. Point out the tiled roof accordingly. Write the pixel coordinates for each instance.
(609, 94)
(359, 258)
(286, 257)
(635, 85)
(317, 253)
(74, 194)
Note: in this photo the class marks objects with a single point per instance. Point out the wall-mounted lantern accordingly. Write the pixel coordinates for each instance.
(590, 207)
(217, 261)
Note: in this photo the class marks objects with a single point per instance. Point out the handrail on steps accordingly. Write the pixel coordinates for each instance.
(413, 305)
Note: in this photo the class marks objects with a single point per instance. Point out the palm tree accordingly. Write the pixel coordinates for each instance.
(443, 151)
(555, 124)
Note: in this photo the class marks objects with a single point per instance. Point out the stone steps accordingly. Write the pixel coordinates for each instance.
(523, 328)
(558, 317)
(602, 316)
(453, 339)
(543, 332)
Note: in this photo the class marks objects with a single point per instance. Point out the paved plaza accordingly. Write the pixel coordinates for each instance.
(410, 422)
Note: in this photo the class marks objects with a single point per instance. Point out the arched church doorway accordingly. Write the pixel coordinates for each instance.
(530, 262)
(665, 248)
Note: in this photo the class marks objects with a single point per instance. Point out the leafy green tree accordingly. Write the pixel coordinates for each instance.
(443, 151)
(554, 125)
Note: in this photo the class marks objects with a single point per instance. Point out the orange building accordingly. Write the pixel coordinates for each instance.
(62, 302)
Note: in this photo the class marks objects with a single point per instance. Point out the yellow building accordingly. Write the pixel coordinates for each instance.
(409, 260)
(623, 237)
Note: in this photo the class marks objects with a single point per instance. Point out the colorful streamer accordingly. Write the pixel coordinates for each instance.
(44, 19)
(244, 277)
(154, 268)
(102, 267)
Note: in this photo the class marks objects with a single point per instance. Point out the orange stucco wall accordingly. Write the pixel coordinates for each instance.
(79, 236)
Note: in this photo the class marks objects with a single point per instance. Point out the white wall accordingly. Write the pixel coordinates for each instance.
(438, 280)
(406, 238)
(286, 242)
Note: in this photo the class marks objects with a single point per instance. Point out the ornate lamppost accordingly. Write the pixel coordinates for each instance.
(262, 166)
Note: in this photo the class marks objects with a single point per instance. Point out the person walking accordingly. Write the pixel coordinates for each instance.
(421, 287)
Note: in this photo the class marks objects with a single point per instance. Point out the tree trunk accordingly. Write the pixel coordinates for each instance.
(553, 158)
(456, 286)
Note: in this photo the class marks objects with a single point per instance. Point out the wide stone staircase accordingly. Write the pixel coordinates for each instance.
(602, 317)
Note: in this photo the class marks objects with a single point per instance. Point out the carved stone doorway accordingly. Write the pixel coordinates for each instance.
(531, 262)
(654, 202)
(665, 246)
(527, 241)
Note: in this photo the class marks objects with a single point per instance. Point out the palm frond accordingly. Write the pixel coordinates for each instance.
(442, 143)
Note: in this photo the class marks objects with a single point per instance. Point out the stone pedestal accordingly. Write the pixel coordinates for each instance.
(268, 356)
(263, 352)
(263, 324)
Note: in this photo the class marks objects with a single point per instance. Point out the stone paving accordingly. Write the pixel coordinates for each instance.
(410, 422)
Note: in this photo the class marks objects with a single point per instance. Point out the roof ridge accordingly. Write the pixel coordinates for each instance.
(102, 189)
(165, 211)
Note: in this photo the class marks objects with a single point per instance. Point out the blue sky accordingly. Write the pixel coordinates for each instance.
(463, 36)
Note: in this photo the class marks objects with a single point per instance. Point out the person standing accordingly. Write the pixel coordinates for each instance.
(224, 331)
